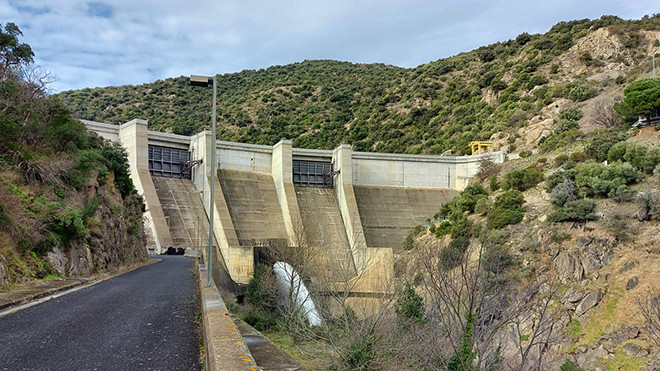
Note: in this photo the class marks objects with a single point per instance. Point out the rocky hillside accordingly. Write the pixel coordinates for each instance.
(67, 203)
(490, 92)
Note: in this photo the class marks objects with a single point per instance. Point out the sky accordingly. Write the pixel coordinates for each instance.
(118, 42)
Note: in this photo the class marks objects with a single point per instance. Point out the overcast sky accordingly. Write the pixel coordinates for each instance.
(118, 42)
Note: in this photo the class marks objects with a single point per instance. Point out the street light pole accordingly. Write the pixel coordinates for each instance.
(206, 81)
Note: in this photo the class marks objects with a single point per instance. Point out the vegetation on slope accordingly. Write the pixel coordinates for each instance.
(65, 195)
(433, 108)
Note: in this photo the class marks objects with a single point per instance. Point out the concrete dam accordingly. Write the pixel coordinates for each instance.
(354, 208)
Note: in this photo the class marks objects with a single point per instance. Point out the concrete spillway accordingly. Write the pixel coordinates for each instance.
(253, 206)
(183, 209)
(389, 213)
(324, 229)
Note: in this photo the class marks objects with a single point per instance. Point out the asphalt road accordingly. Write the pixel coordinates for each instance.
(141, 320)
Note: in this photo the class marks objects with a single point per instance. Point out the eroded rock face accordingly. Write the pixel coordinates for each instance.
(2, 270)
(584, 262)
(114, 237)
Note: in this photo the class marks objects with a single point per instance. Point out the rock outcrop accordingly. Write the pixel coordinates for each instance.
(116, 235)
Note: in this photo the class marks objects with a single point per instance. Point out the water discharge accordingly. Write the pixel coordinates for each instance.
(289, 282)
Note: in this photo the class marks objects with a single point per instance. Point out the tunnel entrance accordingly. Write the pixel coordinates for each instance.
(312, 174)
(169, 162)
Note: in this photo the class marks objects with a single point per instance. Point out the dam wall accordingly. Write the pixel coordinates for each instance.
(355, 207)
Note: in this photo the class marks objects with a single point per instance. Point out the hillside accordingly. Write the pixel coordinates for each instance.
(67, 204)
(433, 108)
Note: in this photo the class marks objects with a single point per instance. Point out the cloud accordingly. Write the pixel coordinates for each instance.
(99, 10)
(103, 42)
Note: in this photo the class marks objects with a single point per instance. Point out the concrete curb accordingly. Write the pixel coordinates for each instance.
(225, 349)
(29, 298)
(80, 281)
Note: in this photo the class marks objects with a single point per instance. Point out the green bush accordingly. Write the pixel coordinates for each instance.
(575, 211)
(566, 125)
(494, 184)
(482, 206)
(497, 259)
(637, 155)
(409, 242)
(452, 255)
(569, 365)
(600, 143)
(443, 229)
(523, 179)
(259, 292)
(68, 225)
(571, 113)
(578, 157)
(410, 306)
(500, 218)
(507, 209)
(525, 154)
(561, 159)
(594, 179)
(461, 225)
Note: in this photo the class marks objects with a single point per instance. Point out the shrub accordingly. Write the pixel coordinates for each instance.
(443, 229)
(637, 155)
(461, 225)
(507, 209)
(649, 206)
(525, 154)
(561, 159)
(410, 306)
(68, 225)
(482, 206)
(259, 291)
(495, 185)
(497, 258)
(572, 113)
(593, 179)
(600, 143)
(578, 157)
(564, 192)
(523, 179)
(452, 254)
(500, 218)
(509, 200)
(576, 211)
(566, 125)
(409, 242)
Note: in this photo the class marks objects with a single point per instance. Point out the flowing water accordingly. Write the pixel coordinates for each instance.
(289, 281)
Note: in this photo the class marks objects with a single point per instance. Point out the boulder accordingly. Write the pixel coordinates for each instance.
(573, 295)
(627, 266)
(591, 300)
(634, 350)
(632, 283)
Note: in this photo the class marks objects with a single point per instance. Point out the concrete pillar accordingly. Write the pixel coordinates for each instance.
(282, 170)
(134, 136)
(223, 227)
(348, 205)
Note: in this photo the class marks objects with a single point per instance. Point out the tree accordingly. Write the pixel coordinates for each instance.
(12, 52)
(642, 98)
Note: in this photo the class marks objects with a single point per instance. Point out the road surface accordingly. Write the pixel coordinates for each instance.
(141, 320)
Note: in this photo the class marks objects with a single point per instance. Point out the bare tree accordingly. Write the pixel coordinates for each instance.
(650, 309)
(473, 311)
(603, 114)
